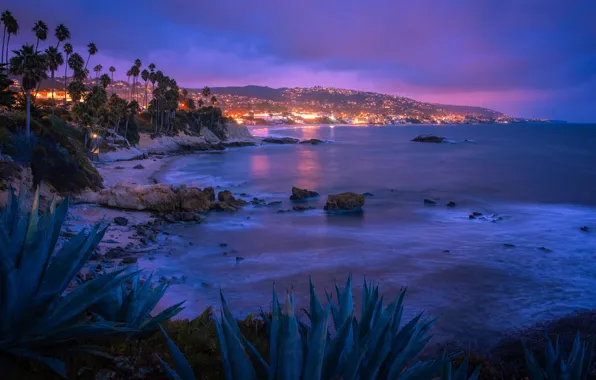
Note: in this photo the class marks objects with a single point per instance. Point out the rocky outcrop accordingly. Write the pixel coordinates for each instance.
(312, 141)
(345, 202)
(280, 140)
(225, 196)
(210, 193)
(302, 194)
(429, 139)
(159, 197)
(121, 154)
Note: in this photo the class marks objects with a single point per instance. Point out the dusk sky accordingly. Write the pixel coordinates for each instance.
(528, 58)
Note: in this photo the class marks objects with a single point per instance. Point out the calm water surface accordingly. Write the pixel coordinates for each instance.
(539, 179)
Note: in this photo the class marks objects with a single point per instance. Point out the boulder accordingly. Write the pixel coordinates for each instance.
(139, 166)
(194, 199)
(451, 204)
(225, 196)
(428, 139)
(120, 221)
(302, 194)
(280, 140)
(160, 197)
(312, 141)
(210, 193)
(429, 202)
(238, 144)
(345, 201)
(223, 206)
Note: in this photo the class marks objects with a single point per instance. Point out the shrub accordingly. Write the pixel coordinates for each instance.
(37, 317)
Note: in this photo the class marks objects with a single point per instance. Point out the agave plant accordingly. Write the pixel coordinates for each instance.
(132, 307)
(375, 348)
(37, 316)
(559, 365)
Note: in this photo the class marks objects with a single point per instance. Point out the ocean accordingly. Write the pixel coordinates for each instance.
(525, 261)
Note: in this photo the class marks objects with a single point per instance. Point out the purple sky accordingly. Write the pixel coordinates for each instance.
(523, 57)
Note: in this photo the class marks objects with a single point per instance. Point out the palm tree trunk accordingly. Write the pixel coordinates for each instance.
(65, 71)
(86, 63)
(53, 98)
(112, 83)
(145, 95)
(3, 41)
(7, 42)
(126, 128)
(36, 45)
(28, 128)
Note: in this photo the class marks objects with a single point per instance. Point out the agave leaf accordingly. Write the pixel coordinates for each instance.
(54, 364)
(262, 369)
(377, 353)
(316, 309)
(241, 366)
(402, 357)
(532, 364)
(184, 369)
(588, 357)
(8, 291)
(274, 333)
(290, 345)
(167, 314)
(335, 349)
(170, 373)
(346, 304)
(223, 348)
(315, 353)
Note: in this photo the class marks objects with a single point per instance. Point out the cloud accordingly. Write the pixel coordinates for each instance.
(528, 58)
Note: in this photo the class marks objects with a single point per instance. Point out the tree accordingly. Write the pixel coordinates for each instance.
(92, 49)
(5, 19)
(128, 75)
(31, 66)
(132, 109)
(96, 100)
(62, 34)
(206, 92)
(105, 81)
(136, 72)
(213, 100)
(112, 70)
(54, 60)
(41, 32)
(145, 77)
(76, 88)
(97, 70)
(11, 26)
(68, 52)
(200, 103)
(6, 96)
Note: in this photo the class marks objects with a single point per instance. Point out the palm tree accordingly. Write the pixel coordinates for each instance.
(136, 72)
(128, 75)
(92, 51)
(213, 100)
(112, 70)
(68, 52)
(11, 26)
(97, 70)
(32, 67)
(6, 20)
(41, 32)
(62, 34)
(105, 81)
(54, 60)
(145, 77)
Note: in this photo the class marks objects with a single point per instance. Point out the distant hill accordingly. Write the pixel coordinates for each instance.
(340, 99)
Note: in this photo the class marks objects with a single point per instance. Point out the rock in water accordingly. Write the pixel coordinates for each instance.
(428, 139)
(120, 221)
(345, 201)
(302, 194)
(210, 193)
(160, 197)
(280, 140)
(225, 196)
(451, 204)
(585, 229)
(312, 141)
(428, 202)
(194, 199)
(139, 166)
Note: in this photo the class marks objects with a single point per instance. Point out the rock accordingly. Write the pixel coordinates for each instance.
(121, 221)
(428, 139)
(223, 245)
(345, 201)
(302, 208)
(116, 253)
(302, 194)
(129, 260)
(275, 203)
(508, 245)
(194, 199)
(475, 215)
(446, 251)
(544, 249)
(585, 229)
(89, 276)
(238, 258)
(451, 204)
(280, 140)
(428, 202)
(223, 206)
(173, 279)
(210, 193)
(139, 166)
(311, 141)
(238, 144)
(225, 196)
(119, 167)
(368, 195)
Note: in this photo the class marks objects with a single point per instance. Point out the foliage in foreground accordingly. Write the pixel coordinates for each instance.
(373, 348)
(36, 317)
(558, 364)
